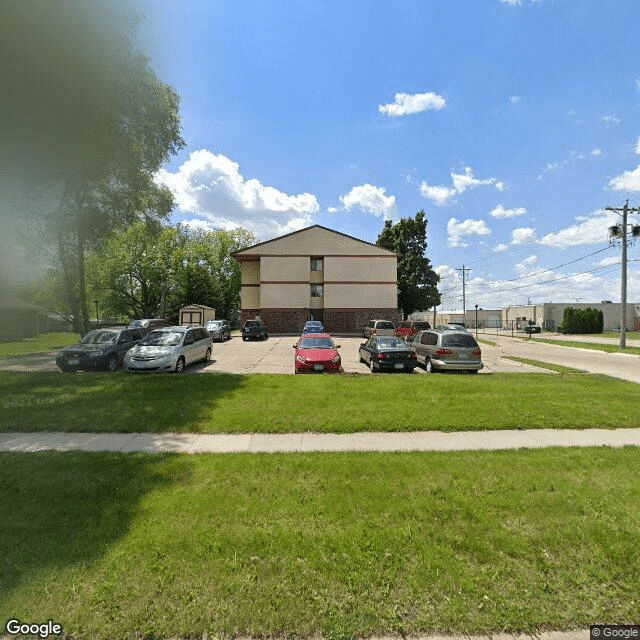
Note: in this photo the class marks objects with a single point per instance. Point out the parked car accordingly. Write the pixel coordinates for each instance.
(219, 329)
(452, 326)
(449, 349)
(316, 352)
(313, 326)
(254, 329)
(532, 328)
(383, 352)
(378, 328)
(169, 349)
(148, 324)
(99, 349)
(408, 328)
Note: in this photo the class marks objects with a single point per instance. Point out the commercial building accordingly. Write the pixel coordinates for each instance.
(318, 274)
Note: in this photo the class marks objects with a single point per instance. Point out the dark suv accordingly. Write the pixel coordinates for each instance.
(254, 329)
(99, 349)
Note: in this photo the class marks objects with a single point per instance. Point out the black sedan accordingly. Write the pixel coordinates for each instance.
(387, 353)
(99, 349)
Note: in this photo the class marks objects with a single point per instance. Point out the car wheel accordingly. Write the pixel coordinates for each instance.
(180, 365)
(362, 359)
(373, 369)
(207, 356)
(244, 339)
(112, 363)
(428, 367)
(473, 371)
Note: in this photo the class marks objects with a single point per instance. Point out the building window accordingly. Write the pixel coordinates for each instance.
(317, 264)
(316, 291)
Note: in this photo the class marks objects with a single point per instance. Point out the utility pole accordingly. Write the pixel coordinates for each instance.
(621, 231)
(464, 303)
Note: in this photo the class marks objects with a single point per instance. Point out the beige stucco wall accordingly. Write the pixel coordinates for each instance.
(360, 269)
(286, 268)
(250, 272)
(360, 296)
(315, 242)
(250, 297)
(316, 276)
(285, 296)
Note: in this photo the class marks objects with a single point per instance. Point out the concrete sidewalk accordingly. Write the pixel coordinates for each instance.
(307, 442)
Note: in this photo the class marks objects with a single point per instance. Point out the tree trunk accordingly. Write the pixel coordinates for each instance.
(68, 280)
(82, 285)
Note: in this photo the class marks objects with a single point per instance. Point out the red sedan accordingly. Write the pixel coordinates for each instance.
(316, 352)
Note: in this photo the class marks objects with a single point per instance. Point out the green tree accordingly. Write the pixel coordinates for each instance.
(151, 270)
(417, 281)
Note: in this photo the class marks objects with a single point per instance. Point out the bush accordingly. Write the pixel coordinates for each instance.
(582, 320)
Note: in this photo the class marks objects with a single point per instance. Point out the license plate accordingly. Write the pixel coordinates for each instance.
(398, 366)
(73, 361)
(318, 367)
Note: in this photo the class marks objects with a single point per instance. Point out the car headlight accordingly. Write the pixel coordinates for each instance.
(301, 359)
(335, 359)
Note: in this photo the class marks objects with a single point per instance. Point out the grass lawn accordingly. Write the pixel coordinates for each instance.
(609, 348)
(558, 368)
(292, 545)
(272, 403)
(43, 342)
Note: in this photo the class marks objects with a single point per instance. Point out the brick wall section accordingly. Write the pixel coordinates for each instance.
(335, 320)
(353, 320)
(284, 320)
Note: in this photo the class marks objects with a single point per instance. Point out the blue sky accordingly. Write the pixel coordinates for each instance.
(512, 124)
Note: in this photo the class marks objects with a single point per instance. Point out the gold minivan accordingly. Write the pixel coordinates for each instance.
(379, 328)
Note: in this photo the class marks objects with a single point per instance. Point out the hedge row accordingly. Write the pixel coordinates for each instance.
(582, 320)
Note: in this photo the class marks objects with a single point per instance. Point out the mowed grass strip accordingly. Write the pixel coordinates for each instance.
(558, 368)
(271, 403)
(41, 343)
(594, 346)
(343, 544)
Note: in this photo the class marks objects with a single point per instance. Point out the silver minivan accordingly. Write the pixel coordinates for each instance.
(169, 349)
(379, 328)
(447, 350)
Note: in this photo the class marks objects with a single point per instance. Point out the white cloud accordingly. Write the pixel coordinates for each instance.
(456, 231)
(587, 230)
(610, 121)
(501, 212)
(637, 149)
(597, 152)
(609, 262)
(405, 104)
(370, 199)
(211, 186)
(199, 225)
(500, 248)
(514, 99)
(627, 181)
(512, 3)
(461, 182)
(331, 210)
(637, 83)
(526, 265)
(523, 235)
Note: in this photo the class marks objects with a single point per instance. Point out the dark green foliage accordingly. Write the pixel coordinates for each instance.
(417, 281)
(587, 320)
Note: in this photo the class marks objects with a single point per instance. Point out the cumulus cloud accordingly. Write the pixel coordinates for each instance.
(514, 99)
(627, 181)
(512, 3)
(405, 104)
(609, 262)
(637, 149)
(456, 231)
(523, 235)
(331, 210)
(597, 152)
(501, 212)
(370, 199)
(461, 182)
(527, 265)
(610, 121)
(500, 248)
(212, 187)
(586, 230)
(198, 225)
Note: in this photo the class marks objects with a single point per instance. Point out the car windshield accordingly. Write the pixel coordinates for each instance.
(385, 325)
(99, 337)
(162, 339)
(315, 343)
(459, 340)
(419, 326)
(252, 323)
(135, 323)
(391, 343)
(214, 324)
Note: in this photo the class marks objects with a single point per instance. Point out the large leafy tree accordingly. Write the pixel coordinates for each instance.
(417, 281)
(151, 270)
(96, 121)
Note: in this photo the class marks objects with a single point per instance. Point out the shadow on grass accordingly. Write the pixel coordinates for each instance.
(117, 402)
(66, 510)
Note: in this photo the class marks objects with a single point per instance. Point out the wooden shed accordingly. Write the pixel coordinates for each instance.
(196, 314)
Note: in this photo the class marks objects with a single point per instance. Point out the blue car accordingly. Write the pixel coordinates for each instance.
(313, 326)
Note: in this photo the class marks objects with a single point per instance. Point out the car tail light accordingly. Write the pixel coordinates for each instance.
(442, 352)
(477, 352)
(382, 356)
(412, 354)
